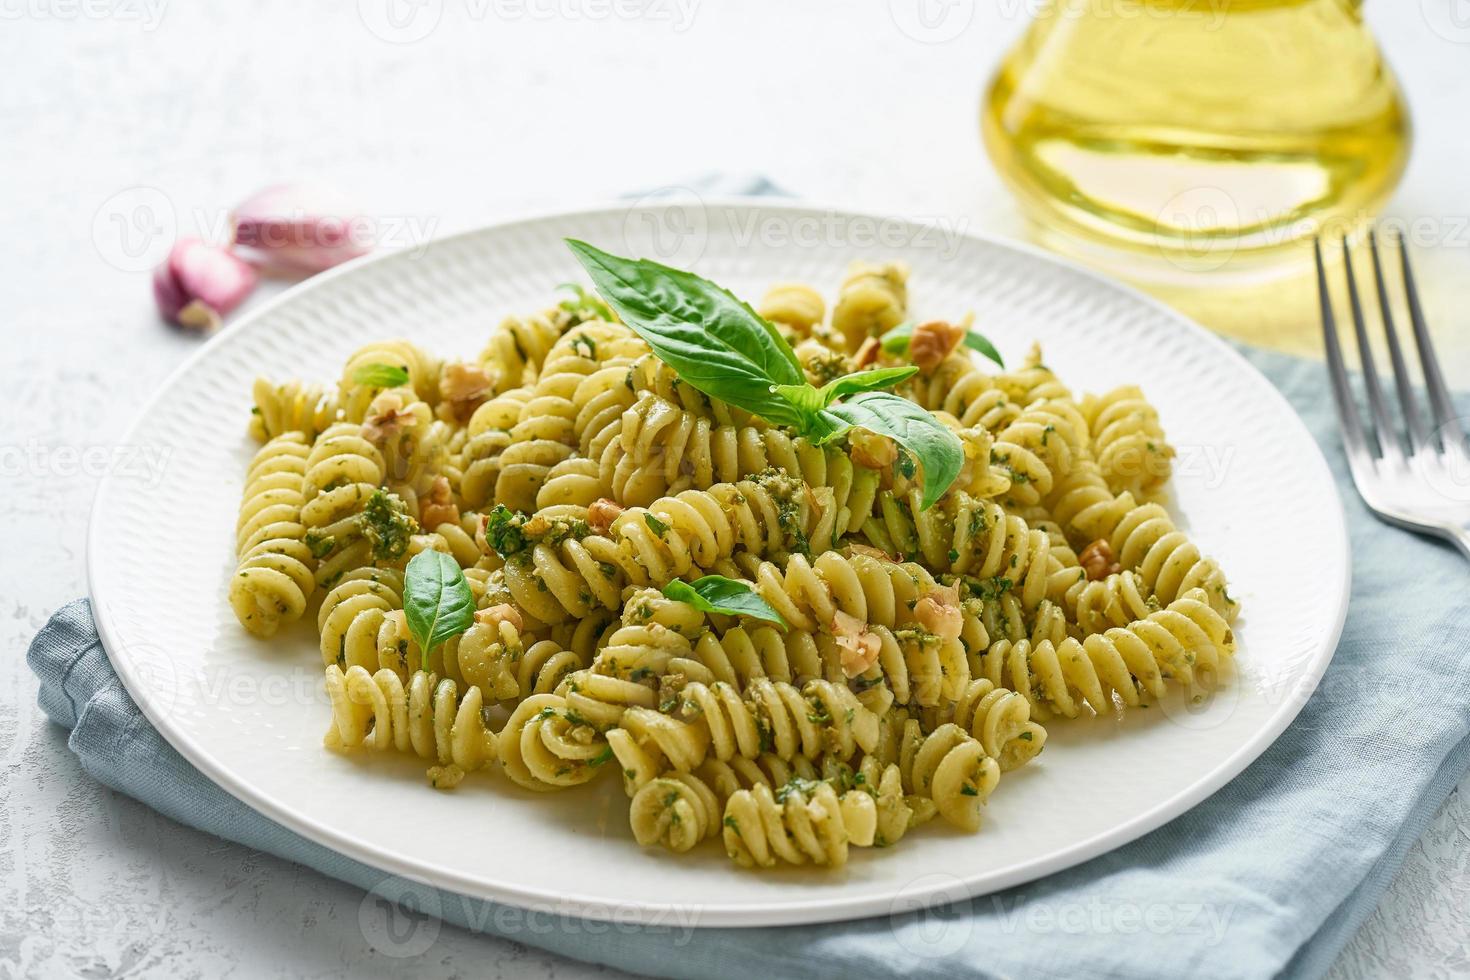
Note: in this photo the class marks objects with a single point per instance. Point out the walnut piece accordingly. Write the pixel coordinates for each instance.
(939, 612)
(867, 353)
(1098, 562)
(440, 507)
(932, 342)
(870, 551)
(601, 514)
(465, 387)
(493, 616)
(859, 648)
(388, 415)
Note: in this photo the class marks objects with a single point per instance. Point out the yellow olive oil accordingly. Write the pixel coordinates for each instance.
(1169, 138)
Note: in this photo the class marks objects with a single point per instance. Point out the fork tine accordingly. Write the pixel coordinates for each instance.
(1342, 394)
(1439, 395)
(1403, 383)
(1383, 424)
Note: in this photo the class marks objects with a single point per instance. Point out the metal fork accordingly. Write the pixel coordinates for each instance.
(1423, 482)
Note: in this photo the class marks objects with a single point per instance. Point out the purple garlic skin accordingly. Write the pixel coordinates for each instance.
(199, 283)
(297, 228)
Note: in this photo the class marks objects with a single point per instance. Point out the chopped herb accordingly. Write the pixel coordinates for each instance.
(387, 525)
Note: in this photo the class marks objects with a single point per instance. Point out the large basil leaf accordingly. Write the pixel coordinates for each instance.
(929, 440)
(437, 601)
(714, 341)
(728, 596)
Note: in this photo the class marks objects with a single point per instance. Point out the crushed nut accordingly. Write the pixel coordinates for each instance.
(870, 551)
(867, 353)
(465, 387)
(932, 342)
(440, 507)
(502, 613)
(939, 612)
(859, 648)
(536, 526)
(1098, 561)
(388, 415)
(601, 514)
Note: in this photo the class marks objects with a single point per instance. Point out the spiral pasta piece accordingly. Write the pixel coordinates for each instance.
(1128, 441)
(948, 767)
(662, 449)
(872, 300)
(274, 576)
(1176, 642)
(291, 406)
(961, 389)
(1001, 721)
(427, 718)
(770, 717)
(355, 396)
(672, 537)
(794, 305)
(1117, 600)
(1039, 446)
(487, 438)
(654, 633)
(801, 823)
(546, 746)
(517, 348)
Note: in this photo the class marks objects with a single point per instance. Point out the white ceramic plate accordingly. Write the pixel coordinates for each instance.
(1251, 486)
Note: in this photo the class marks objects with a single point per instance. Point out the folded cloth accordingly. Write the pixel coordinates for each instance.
(1272, 874)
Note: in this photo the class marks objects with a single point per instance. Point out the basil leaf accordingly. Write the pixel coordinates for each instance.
(896, 341)
(584, 306)
(727, 596)
(711, 339)
(929, 440)
(437, 601)
(381, 376)
(873, 380)
(813, 400)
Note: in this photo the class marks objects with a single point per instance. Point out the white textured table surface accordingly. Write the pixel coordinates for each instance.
(125, 120)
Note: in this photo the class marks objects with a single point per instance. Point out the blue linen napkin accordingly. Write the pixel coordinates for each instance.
(1270, 875)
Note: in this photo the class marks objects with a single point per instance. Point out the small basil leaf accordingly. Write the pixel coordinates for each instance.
(873, 380)
(803, 397)
(929, 440)
(584, 306)
(711, 339)
(896, 341)
(381, 376)
(437, 601)
(727, 596)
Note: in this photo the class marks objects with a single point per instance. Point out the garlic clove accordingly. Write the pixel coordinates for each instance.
(300, 228)
(199, 283)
